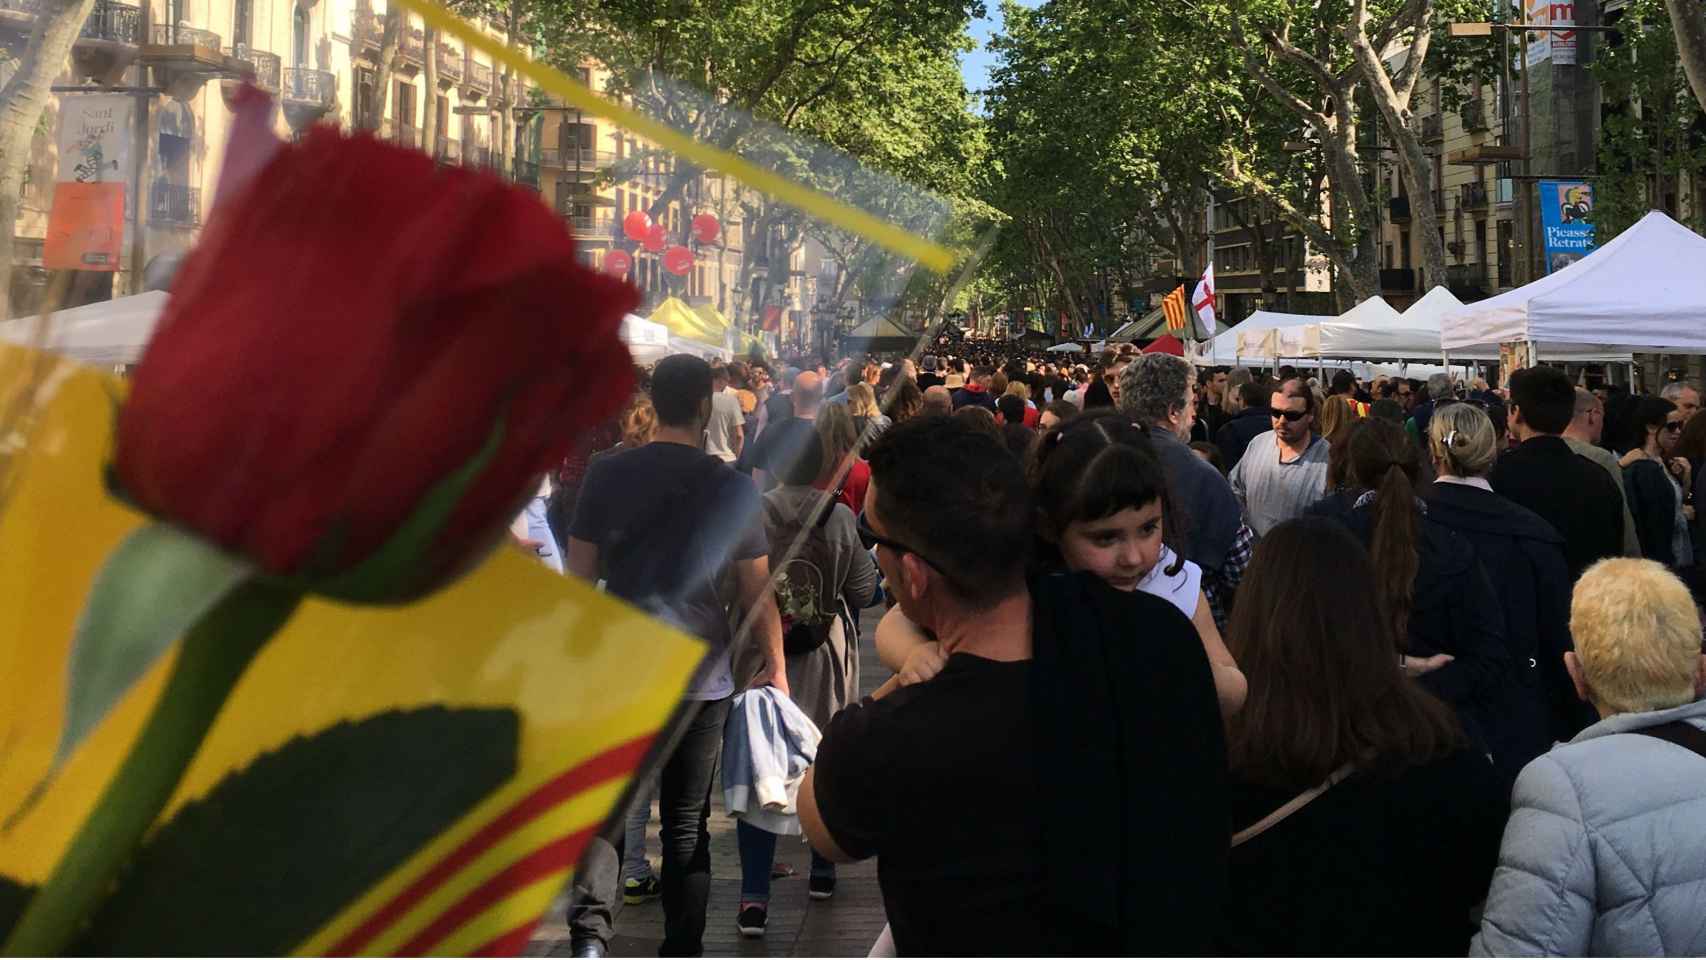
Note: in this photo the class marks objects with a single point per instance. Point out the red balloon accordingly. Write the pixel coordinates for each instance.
(637, 224)
(678, 260)
(656, 238)
(706, 227)
(617, 263)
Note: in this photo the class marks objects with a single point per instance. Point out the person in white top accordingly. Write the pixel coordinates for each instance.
(725, 433)
(1101, 496)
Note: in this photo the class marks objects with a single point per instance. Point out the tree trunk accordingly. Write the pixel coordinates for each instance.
(429, 120)
(1688, 22)
(1393, 101)
(22, 101)
(390, 46)
(506, 106)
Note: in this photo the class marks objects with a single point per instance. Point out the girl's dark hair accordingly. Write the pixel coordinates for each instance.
(1094, 466)
(1648, 412)
(903, 402)
(1384, 460)
(1096, 395)
(1310, 632)
(1339, 455)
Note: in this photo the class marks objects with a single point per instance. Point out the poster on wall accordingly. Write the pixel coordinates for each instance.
(85, 226)
(1565, 207)
(1538, 13)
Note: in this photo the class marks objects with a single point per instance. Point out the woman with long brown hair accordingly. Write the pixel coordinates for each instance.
(1363, 822)
(1437, 602)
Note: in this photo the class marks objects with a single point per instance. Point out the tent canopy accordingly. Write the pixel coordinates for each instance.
(1645, 290)
(1067, 347)
(1167, 344)
(1255, 337)
(110, 332)
(683, 323)
(879, 334)
(711, 318)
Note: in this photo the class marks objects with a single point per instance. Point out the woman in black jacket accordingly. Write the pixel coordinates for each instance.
(1523, 557)
(1436, 598)
(1655, 480)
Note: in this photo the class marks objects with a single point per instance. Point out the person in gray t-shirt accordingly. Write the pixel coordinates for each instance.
(1284, 470)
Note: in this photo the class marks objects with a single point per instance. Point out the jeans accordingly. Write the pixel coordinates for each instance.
(757, 853)
(635, 866)
(684, 806)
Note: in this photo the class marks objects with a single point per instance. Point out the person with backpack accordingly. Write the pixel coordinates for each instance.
(823, 577)
(676, 532)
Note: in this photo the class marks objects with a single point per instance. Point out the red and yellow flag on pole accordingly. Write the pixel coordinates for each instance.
(1173, 307)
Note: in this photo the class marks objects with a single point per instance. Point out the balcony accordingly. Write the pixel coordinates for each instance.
(412, 46)
(268, 66)
(1472, 196)
(1475, 115)
(1398, 209)
(168, 35)
(366, 29)
(1398, 281)
(527, 174)
(451, 64)
(478, 80)
(582, 158)
(594, 226)
(1432, 128)
(173, 204)
(406, 135)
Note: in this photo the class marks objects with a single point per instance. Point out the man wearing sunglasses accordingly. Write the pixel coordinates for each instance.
(1285, 469)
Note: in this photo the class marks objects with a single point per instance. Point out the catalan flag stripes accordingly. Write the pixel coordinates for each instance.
(1173, 307)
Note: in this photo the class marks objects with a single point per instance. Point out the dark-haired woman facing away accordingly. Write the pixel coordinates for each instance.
(1363, 822)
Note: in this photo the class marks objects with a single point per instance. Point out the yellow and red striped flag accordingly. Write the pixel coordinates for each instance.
(1173, 307)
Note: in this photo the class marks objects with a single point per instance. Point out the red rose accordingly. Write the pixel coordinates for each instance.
(352, 328)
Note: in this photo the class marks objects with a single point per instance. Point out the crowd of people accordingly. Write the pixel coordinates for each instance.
(1238, 662)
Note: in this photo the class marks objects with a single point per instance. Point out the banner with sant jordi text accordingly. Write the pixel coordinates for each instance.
(1565, 209)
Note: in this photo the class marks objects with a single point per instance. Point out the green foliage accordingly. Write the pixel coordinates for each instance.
(1653, 133)
(274, 851)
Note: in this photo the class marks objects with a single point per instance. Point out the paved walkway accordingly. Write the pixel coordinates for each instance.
(844, 926)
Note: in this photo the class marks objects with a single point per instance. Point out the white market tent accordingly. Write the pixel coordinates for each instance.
(699, 349)
(1644, 290)
(1067, 347)
(1260, 333)
(647, 342)
(103, 334)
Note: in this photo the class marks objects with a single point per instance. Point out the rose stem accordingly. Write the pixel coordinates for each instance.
(214, 655)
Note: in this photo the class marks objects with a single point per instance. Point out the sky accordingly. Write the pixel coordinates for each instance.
(975, 66)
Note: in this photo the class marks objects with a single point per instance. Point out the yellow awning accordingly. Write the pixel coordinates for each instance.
(683, 322)
(711, 318)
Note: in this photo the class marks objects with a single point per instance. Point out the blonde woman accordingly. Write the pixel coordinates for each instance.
(1605, 850)
(868, 421)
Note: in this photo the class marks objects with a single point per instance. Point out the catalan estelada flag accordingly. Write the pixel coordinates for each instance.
(1173, 308)
(384, 780)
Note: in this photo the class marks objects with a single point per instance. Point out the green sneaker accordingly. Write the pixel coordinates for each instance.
(640, 891)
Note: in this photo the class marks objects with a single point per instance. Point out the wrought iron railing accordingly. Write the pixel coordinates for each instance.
(267, 66)
(527, 173)
(177, 35)
(302, 85)
(585, 158)
(450, 63)
(479, 75)
(117, 22)
(174, 204)
(412, 45)
(590, 226)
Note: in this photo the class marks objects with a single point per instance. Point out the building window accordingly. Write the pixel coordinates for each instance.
(242, 14)
(365, 96)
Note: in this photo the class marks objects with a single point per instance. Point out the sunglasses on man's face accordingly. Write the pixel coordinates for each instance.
(1290, 416)
(1675, 426)
(872, 539)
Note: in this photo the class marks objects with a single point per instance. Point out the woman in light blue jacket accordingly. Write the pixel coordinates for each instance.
(1605, 851)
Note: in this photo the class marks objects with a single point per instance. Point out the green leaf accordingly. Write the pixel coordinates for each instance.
(277, 849)
(394, 570)
(155, 586)
(14, 896)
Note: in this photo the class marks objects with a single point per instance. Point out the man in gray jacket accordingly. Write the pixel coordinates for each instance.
(1605, 851)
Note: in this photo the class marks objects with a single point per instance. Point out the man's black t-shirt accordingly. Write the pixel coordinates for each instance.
(928, 380)
(938, 780)
(781, 445)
